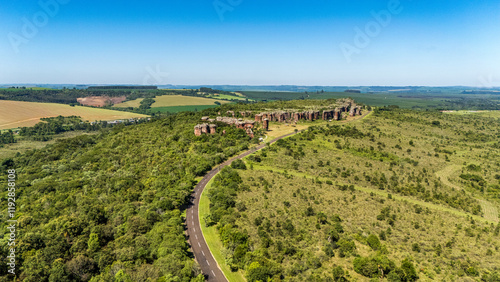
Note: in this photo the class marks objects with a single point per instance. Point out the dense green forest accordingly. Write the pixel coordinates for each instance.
(400, 195)
(108, 206)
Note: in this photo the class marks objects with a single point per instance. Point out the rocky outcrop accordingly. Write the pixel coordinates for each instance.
(204, 128)
(265, 124)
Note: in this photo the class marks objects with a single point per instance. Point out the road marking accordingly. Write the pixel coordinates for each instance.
(203, 253)
(194, 229)
(191, 217)
(207, 262)
(199, 244)
(213, 273)
(196, 236)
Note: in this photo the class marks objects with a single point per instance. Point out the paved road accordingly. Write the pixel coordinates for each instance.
(198, 244)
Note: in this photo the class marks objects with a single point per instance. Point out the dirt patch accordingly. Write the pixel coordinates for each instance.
(100, 101)
(490, 211)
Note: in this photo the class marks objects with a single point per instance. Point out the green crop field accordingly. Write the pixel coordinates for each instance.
(226, 97)
(15, 114)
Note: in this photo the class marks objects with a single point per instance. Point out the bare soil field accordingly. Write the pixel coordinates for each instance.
(100, 101)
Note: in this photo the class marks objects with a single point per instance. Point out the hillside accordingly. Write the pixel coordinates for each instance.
(403, 195)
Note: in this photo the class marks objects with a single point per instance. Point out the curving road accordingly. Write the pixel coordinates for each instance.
(198, 244)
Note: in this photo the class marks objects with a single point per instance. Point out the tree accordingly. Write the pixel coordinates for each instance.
(346, 247)
(93, 243)
(238, 164)
(256, 272)
(82, 267)
(410, 274)
(338, 273)
(373, 242)
(58, 272)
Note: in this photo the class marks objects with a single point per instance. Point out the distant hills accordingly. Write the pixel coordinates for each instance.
(285, 88)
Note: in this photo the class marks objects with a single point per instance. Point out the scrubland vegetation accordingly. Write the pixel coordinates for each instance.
(367, 200)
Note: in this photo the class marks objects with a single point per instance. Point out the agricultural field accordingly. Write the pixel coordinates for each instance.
(133, 103)
(177, 109)
(179, 100)
(227, 97)
(173, 101)
(100, 101)
(400, 194)
(15, 114)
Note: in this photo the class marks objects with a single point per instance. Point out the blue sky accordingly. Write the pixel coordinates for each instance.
(254, 42)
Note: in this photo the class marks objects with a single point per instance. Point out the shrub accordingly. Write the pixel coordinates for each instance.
(415, 247)
(410, 274)
(338, 273)
(309, 211)
(371, 266)
(346, 247)
(373, 242)
(238, 164)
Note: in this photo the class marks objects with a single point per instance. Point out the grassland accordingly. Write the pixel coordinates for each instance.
(15, 114)
(489, 114)
(288, 197)
(424, 184)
